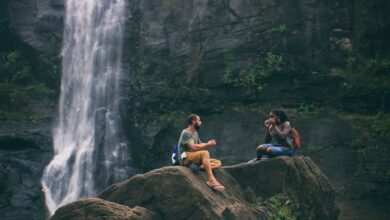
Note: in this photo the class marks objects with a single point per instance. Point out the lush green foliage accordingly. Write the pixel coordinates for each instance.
(375, 131)
(279, 29)
(369, 78)
(27, 77)
(251, 80)
(23, 82)
(283, 207)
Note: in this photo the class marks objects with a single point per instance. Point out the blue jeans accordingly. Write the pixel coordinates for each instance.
(276, 151)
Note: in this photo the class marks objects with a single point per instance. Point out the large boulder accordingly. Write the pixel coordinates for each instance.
(176, 193)
(94, 208)
(298, 178)
(253, 191)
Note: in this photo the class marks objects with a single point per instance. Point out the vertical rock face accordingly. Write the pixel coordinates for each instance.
(177, 54)
(38, 23)
(25, 148)
(174, 47)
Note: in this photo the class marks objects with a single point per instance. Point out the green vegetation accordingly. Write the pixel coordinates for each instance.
(27, 78)
(307, 109)
(15, 68)
(251, 80)
(279, 29)
(257, 202)
(311, 149)
(369, 79)
(340, 191)
(374, 133)
(373, 128)
(51, 39)
(176, 117)
(328, 121)
(283, 207)
(374, 67)
(23, 81)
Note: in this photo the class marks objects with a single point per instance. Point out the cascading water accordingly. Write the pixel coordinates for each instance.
(89, 152)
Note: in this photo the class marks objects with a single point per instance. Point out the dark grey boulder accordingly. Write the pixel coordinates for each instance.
(94, 208)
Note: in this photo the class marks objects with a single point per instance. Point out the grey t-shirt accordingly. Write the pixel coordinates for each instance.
(185, 137)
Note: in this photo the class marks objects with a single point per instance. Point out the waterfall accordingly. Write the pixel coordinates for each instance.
(89, 151)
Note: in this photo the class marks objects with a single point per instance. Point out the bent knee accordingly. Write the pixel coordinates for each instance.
(217, 163)
(261, 148)
(205, 154)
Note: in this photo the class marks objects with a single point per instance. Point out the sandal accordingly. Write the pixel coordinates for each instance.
(217, 187)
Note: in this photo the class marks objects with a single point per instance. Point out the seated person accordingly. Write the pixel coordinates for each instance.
(192, 150)
(277, 136)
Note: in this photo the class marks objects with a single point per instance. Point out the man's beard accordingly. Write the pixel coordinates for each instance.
(197, 127)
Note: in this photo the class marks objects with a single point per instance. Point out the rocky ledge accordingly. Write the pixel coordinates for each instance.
(279, 188)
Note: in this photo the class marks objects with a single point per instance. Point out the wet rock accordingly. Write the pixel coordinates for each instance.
(24, 152)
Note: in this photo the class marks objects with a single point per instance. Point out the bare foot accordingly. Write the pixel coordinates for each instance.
(215, 185)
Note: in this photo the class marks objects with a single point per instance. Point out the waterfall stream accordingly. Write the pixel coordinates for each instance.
(89, 151)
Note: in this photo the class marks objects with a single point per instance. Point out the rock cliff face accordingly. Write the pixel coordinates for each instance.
(179, 57)
(269, 189)
(38, 23)
(179, 53)
(25, 149)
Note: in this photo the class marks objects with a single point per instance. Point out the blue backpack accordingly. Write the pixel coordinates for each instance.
(175, 156)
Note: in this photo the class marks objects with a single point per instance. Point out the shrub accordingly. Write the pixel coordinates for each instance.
(252, 80)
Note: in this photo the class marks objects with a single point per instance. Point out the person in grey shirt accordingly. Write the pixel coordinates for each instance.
(192, 150)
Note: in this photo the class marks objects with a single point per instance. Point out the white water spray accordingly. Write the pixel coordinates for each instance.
(89, 152)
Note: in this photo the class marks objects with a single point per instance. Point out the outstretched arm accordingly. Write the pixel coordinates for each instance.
(201, 146)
